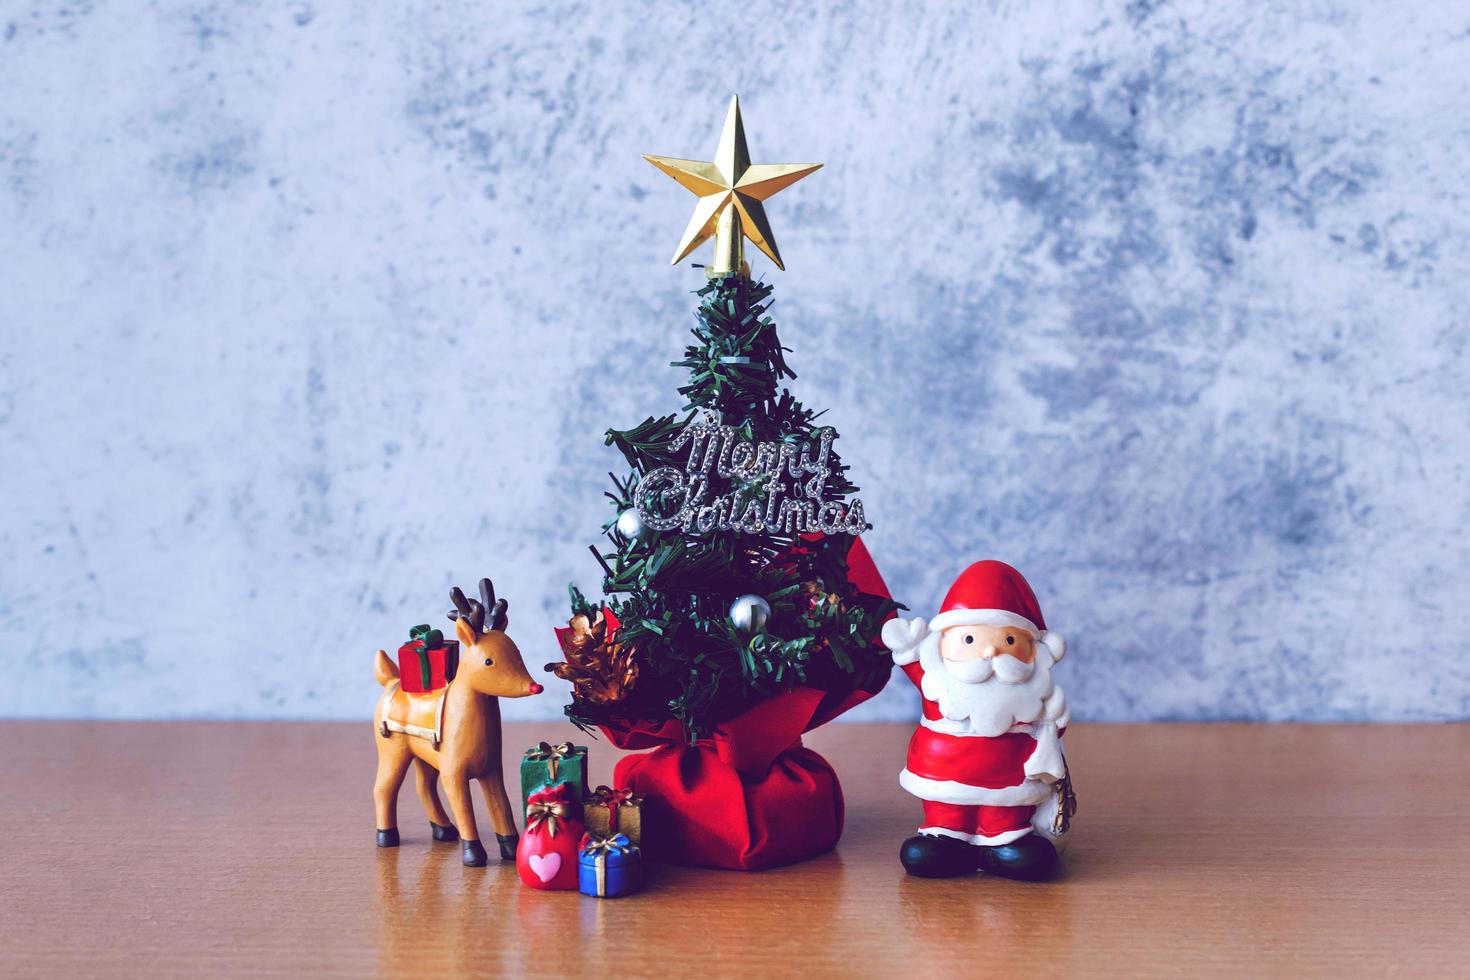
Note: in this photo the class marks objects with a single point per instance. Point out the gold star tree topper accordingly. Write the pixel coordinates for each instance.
(731, 190)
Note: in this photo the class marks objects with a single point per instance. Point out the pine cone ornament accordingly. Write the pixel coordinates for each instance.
(601, 672)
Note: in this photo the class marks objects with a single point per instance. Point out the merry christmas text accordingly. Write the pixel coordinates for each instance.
(781, 486)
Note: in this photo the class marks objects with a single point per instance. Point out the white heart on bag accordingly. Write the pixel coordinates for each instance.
(544, 866)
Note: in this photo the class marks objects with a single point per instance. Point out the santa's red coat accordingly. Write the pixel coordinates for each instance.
(968, 769)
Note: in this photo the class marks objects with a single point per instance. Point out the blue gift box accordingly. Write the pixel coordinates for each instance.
(609, 867)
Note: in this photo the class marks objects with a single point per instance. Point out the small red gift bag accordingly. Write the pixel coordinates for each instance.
(546, 856)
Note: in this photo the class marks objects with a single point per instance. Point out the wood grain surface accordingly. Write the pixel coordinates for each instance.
(217, 849)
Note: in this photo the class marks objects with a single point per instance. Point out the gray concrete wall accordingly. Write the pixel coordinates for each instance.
(308, 310)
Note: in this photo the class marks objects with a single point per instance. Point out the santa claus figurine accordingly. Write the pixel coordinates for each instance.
(987, 757)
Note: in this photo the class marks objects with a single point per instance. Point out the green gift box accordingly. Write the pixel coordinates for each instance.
(549, 765)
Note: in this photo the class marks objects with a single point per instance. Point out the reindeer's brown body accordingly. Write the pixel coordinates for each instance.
(468, 746)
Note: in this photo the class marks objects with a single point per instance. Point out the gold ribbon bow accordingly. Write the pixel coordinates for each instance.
(547, 813)
(608, 844)
(551, 755)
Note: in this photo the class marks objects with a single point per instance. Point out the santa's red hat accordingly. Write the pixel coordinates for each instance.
(990, 593)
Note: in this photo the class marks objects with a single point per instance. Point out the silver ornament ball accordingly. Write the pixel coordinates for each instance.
(630, 524)
(749, 613)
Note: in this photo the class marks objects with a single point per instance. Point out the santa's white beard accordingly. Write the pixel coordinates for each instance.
(1007, 692)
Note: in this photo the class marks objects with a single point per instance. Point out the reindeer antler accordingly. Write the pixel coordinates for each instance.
(497, 607)
(471, 610)
(474, 610)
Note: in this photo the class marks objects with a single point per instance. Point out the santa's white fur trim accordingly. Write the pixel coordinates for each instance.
(978, 839)
(948, 791)
(982, 617)
(961, 729)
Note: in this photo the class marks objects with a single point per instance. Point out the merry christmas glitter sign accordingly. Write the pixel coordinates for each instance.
(732, 483)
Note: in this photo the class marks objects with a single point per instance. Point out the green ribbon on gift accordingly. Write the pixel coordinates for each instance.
(423, 633)
(551, 755)
(600, 848)
(424, 639)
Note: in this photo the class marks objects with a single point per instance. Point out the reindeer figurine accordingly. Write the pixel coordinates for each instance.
(453, 732)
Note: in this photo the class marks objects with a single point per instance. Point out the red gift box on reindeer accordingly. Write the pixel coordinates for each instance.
(427, 661)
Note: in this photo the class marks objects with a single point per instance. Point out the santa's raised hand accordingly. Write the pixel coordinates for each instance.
(903, 635)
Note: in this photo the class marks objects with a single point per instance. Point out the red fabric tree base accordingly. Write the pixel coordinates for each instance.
(752, 796)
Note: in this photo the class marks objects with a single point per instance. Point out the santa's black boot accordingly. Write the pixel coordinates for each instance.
(1031, 858)
(938, 857)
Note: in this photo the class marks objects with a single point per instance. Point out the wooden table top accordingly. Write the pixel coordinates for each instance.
(210, 849)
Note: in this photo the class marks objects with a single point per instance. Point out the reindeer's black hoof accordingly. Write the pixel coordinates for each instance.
(474, 854)
(388, 838)
(508, 846)
(443, 834)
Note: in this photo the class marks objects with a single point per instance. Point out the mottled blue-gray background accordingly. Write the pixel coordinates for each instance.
(309, 310)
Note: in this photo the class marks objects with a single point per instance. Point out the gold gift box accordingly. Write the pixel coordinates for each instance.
(597, 812)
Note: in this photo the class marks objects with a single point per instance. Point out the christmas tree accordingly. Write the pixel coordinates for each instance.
(726, 557)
